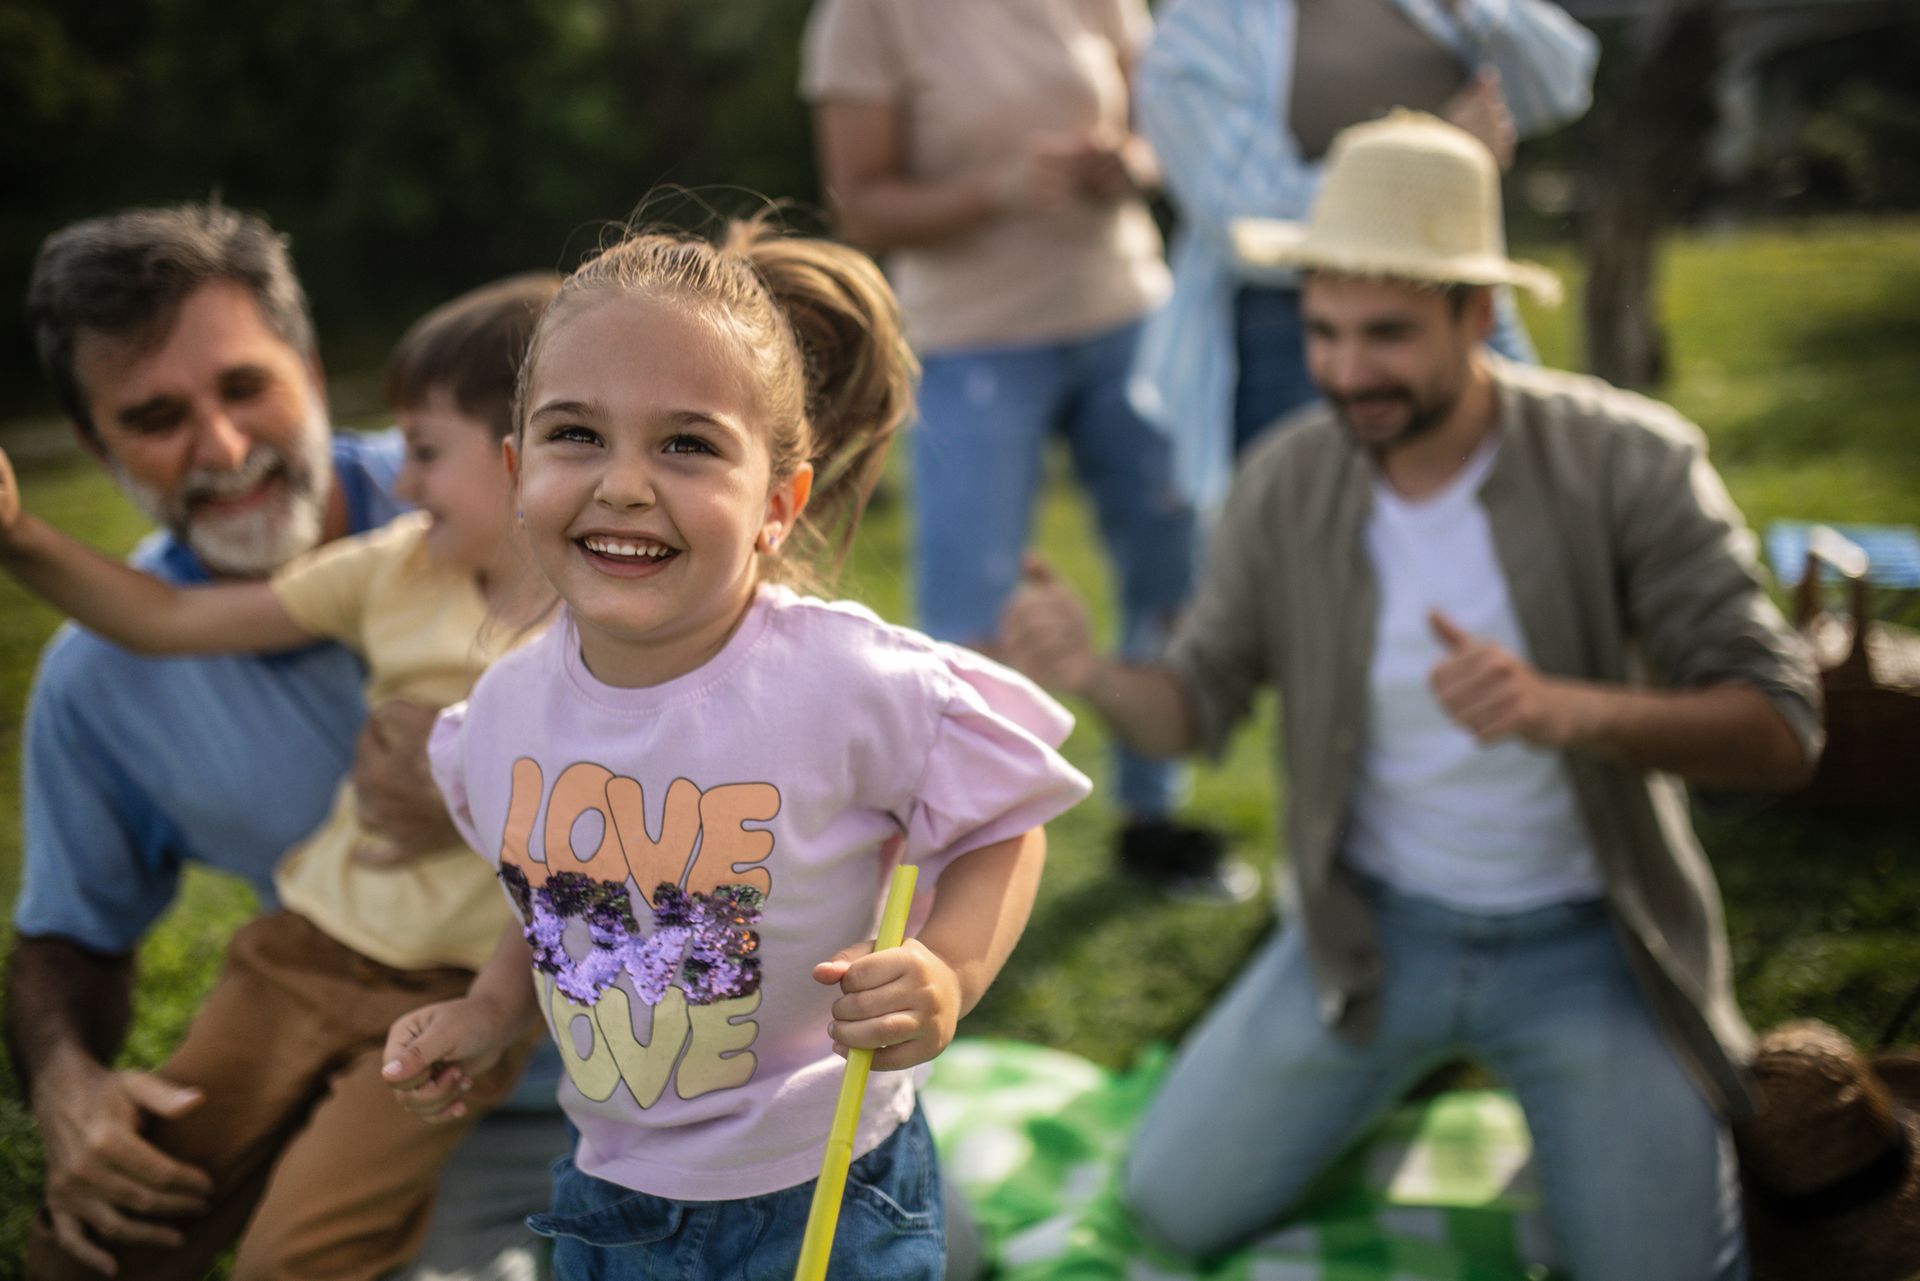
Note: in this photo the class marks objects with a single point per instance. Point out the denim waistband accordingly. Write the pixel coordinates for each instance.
(1410, 912)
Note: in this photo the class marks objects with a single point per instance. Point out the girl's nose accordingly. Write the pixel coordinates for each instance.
(626, 483)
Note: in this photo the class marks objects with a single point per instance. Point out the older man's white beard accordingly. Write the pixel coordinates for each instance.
(254, 542)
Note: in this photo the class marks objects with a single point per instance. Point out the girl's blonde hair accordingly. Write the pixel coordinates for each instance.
(831, 365)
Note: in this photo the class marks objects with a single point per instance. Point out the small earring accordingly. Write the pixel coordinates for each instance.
(519, 513)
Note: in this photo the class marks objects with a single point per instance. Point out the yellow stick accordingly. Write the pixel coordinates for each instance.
(825, 1214)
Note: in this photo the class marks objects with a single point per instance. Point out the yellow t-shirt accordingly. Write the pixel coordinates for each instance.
(425, 634)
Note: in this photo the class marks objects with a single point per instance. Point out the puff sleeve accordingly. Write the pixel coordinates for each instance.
(992, 770)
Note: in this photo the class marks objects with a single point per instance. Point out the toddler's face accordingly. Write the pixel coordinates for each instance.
(453, 473)
(646, 483)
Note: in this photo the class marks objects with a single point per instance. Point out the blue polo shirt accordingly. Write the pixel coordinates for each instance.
(135, 766)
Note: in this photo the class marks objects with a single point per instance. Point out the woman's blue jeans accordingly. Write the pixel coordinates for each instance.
(979, 453)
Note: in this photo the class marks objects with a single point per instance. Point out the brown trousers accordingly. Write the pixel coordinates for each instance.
(316, 1168)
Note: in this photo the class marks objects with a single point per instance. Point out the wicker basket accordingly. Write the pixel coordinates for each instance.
(1870, 676)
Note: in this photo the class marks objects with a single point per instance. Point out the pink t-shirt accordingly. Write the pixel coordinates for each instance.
(685, 853)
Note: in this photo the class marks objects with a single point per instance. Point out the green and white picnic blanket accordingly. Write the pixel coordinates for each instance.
(1441, 1192)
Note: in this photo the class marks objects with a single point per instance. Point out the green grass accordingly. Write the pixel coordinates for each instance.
(1794, 349)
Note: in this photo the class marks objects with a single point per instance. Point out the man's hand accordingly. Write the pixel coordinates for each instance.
(1481, 109)
(399, 805)
(903, 1003)
(1494, 694)
(105, 1182)
(1045, 632)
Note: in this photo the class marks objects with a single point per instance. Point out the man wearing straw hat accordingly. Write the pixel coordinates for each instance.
(1509, 613)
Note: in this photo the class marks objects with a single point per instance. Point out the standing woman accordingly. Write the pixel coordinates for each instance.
(985, 148)
(1243, 97)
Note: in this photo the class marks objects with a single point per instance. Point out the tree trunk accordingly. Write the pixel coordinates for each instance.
(1651, 156)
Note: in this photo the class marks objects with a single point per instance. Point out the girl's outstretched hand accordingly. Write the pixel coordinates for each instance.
(434, 1053)
(9, 496)
(903, 1003)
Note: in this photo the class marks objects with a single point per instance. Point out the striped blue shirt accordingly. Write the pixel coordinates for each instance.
(1211, 93)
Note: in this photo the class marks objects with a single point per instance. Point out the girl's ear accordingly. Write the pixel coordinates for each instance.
(785, 501)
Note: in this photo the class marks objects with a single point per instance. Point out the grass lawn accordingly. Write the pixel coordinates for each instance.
(1793, 348)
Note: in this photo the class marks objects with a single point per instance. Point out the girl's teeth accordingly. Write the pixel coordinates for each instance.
(650, 552)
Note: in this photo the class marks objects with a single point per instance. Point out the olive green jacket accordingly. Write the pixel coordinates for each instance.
(1626, 561)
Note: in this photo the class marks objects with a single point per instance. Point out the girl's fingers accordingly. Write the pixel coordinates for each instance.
(830, 972)
(872, 1003)
(878, 1033)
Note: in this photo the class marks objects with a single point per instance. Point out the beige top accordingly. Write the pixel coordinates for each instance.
(1355, 60)
(1626, 562)
(425, 634)
(974, 80)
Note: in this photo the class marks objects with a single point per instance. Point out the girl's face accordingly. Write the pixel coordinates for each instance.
(645, 484)
(453, 473)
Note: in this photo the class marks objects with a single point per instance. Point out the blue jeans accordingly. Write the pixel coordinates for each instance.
(1635, 1169)
(978, 463)
(1271, 354)
(891, 1225)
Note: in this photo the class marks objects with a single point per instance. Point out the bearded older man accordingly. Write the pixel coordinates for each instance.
(1509, 612)
(181, 346)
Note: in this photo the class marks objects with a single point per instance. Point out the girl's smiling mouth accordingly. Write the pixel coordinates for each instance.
(626, 555)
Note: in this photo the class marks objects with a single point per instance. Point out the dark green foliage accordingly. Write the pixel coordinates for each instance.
(412, 149)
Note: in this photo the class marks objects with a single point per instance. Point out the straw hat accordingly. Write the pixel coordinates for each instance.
(1409, 197)
(1831, 1162)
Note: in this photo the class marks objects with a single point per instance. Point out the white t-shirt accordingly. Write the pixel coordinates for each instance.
(685, 853)
(1486, 829)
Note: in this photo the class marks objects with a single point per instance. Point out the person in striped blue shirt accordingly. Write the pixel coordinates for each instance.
(1240, 99)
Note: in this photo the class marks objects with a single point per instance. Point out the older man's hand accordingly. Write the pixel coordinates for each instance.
(400, 808)
(105, 1183)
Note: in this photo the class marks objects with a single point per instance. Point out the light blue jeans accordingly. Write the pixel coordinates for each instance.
(986, 416)
(1636, 1171)
(891, 1225)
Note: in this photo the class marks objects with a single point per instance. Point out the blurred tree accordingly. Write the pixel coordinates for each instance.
(411, 148)
(1653, 143)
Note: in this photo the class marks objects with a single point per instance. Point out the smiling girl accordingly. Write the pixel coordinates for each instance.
(695, 782)
(285, 1054)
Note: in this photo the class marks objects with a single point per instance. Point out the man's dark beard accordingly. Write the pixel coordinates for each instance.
(1423, 419)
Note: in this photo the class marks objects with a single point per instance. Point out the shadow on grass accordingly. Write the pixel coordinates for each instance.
(1820, 909)
(1108, 967)
(1839, 338)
